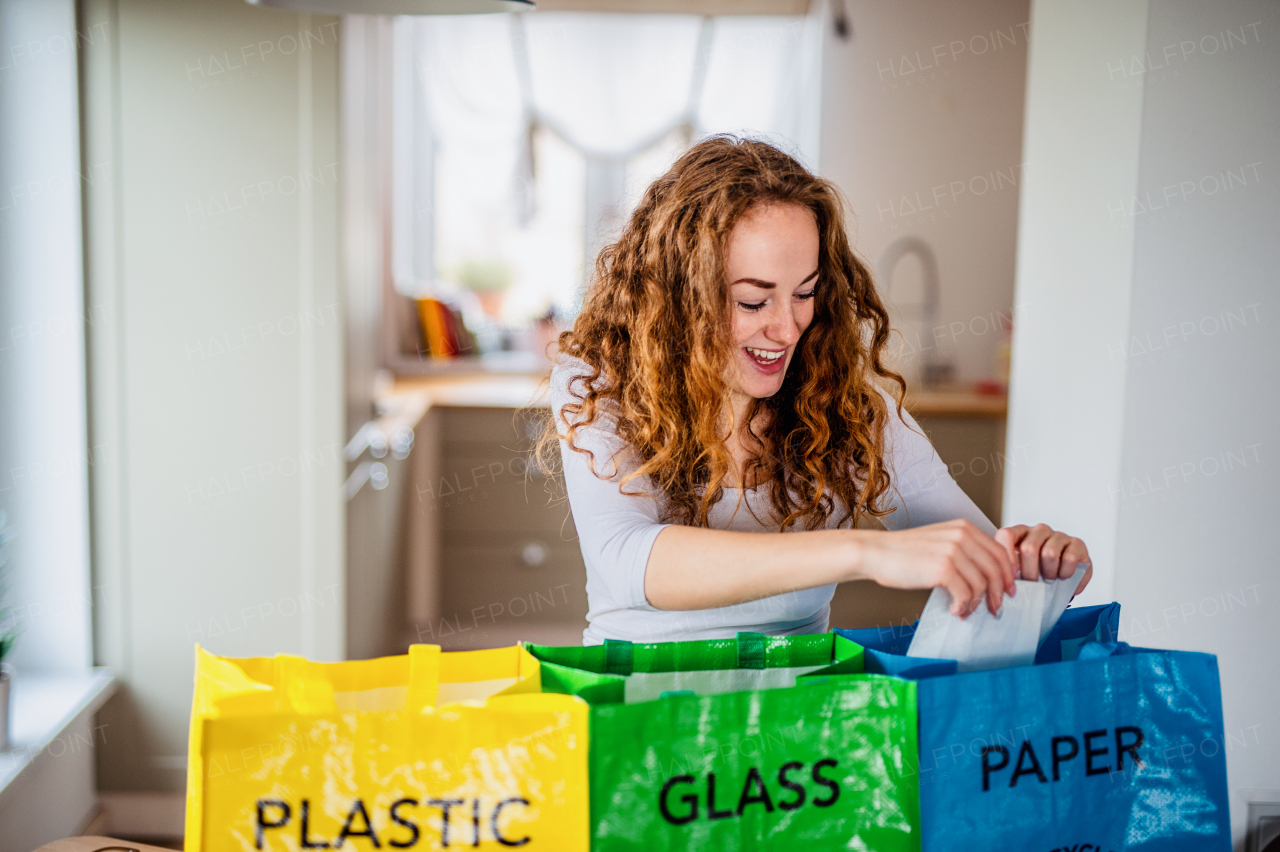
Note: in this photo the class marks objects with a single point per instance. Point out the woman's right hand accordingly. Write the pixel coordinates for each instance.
(956, 555)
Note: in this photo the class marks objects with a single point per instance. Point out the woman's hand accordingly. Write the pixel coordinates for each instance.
(956, 555)
(1039, 552)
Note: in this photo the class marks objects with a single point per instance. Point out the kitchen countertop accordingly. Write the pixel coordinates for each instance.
(417, 394)
(957, 402)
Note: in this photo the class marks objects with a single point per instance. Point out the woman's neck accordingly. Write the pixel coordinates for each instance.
(743, 447)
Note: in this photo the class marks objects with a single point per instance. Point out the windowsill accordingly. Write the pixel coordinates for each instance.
(41, 707)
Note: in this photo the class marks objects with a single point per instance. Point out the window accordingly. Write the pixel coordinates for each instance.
(523, 142)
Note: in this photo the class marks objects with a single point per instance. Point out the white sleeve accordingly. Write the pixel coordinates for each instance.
(922, 490)
(616, 531)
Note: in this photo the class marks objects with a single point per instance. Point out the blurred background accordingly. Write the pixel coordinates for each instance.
(276, 288)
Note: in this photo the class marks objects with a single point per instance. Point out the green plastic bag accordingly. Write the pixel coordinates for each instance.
(829, 761)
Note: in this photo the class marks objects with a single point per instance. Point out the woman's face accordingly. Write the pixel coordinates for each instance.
(772, 268)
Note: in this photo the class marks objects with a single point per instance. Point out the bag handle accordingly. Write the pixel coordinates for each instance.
(1102, 650)
(298, 690)
(424, 677)
(619, 657)
(619, 654)
(751, 651)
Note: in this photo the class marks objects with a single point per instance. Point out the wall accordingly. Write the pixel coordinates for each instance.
(216, 373)
(43, 443)
(1197, 489)
(1149, 258)
(1074, 268)
(922, 130)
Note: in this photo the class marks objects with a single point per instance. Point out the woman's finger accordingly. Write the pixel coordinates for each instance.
(1074, 555)
(1009, 538)
(1029, 550)
(1051, 555)
(974, 578)
(961, 595)
(988, 558)
(1003, 561)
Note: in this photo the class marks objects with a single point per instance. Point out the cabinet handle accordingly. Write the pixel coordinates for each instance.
(370, 437)
(374, 473)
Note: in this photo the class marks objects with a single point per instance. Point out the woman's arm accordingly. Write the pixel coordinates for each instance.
(696, 568)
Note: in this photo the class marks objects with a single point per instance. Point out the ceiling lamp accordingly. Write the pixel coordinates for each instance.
(397, 7)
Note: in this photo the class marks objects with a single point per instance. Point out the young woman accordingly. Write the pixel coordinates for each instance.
(724, 431)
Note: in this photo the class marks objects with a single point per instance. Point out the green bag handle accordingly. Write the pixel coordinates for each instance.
(598, 673)
(619, 656)
(751, 651)
(746, 651)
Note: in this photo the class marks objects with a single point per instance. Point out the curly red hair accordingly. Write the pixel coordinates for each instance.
(655, 331)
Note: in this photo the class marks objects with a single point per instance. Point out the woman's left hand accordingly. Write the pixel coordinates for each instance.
(1040, 552)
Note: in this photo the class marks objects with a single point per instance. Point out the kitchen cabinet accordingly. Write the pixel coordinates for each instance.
(511, 567)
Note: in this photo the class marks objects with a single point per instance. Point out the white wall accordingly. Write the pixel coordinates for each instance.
(216, 375)
(1154, 372)
(43, 444)
(1074, 269)
(893, 134)
(1197, 492)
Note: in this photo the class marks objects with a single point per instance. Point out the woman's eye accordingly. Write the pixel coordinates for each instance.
(808, 295)
(751, 306)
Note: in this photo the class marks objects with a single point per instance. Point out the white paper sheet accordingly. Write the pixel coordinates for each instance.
(986, 641)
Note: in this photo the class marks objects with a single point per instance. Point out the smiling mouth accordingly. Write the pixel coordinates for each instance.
(765, 357)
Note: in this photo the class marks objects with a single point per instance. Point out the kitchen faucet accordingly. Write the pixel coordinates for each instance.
(933, 371)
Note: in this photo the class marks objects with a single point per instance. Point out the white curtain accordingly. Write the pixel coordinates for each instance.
(614, 87)
(610, 83)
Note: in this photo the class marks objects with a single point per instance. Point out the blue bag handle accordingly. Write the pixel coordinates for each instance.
(1076, 628)
(890, 640)
(1103, 650)
(885, 652)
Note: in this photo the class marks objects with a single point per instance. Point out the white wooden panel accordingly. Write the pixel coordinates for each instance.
(215, 251)
(1075, 264)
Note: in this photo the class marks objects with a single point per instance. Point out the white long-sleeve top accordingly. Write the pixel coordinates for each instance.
(617, 530)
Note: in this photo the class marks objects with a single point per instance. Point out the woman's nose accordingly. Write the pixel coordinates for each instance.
(783, 327)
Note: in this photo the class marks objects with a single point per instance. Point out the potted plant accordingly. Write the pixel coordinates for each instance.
(8, 632)
(489, 279)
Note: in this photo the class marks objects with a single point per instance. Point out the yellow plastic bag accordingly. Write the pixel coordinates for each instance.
(427, 751)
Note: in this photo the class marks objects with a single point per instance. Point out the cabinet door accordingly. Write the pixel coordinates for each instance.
(974, 451)
(511, 566)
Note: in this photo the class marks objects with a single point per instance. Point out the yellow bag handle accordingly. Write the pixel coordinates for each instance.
(424, 677)
(288, 683)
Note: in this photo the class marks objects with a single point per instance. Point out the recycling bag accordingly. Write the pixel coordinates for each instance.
(1120, 749)
(426, 751)
(786, 744)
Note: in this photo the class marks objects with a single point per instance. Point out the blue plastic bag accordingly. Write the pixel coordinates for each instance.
(1121, 748)
(973, 728)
